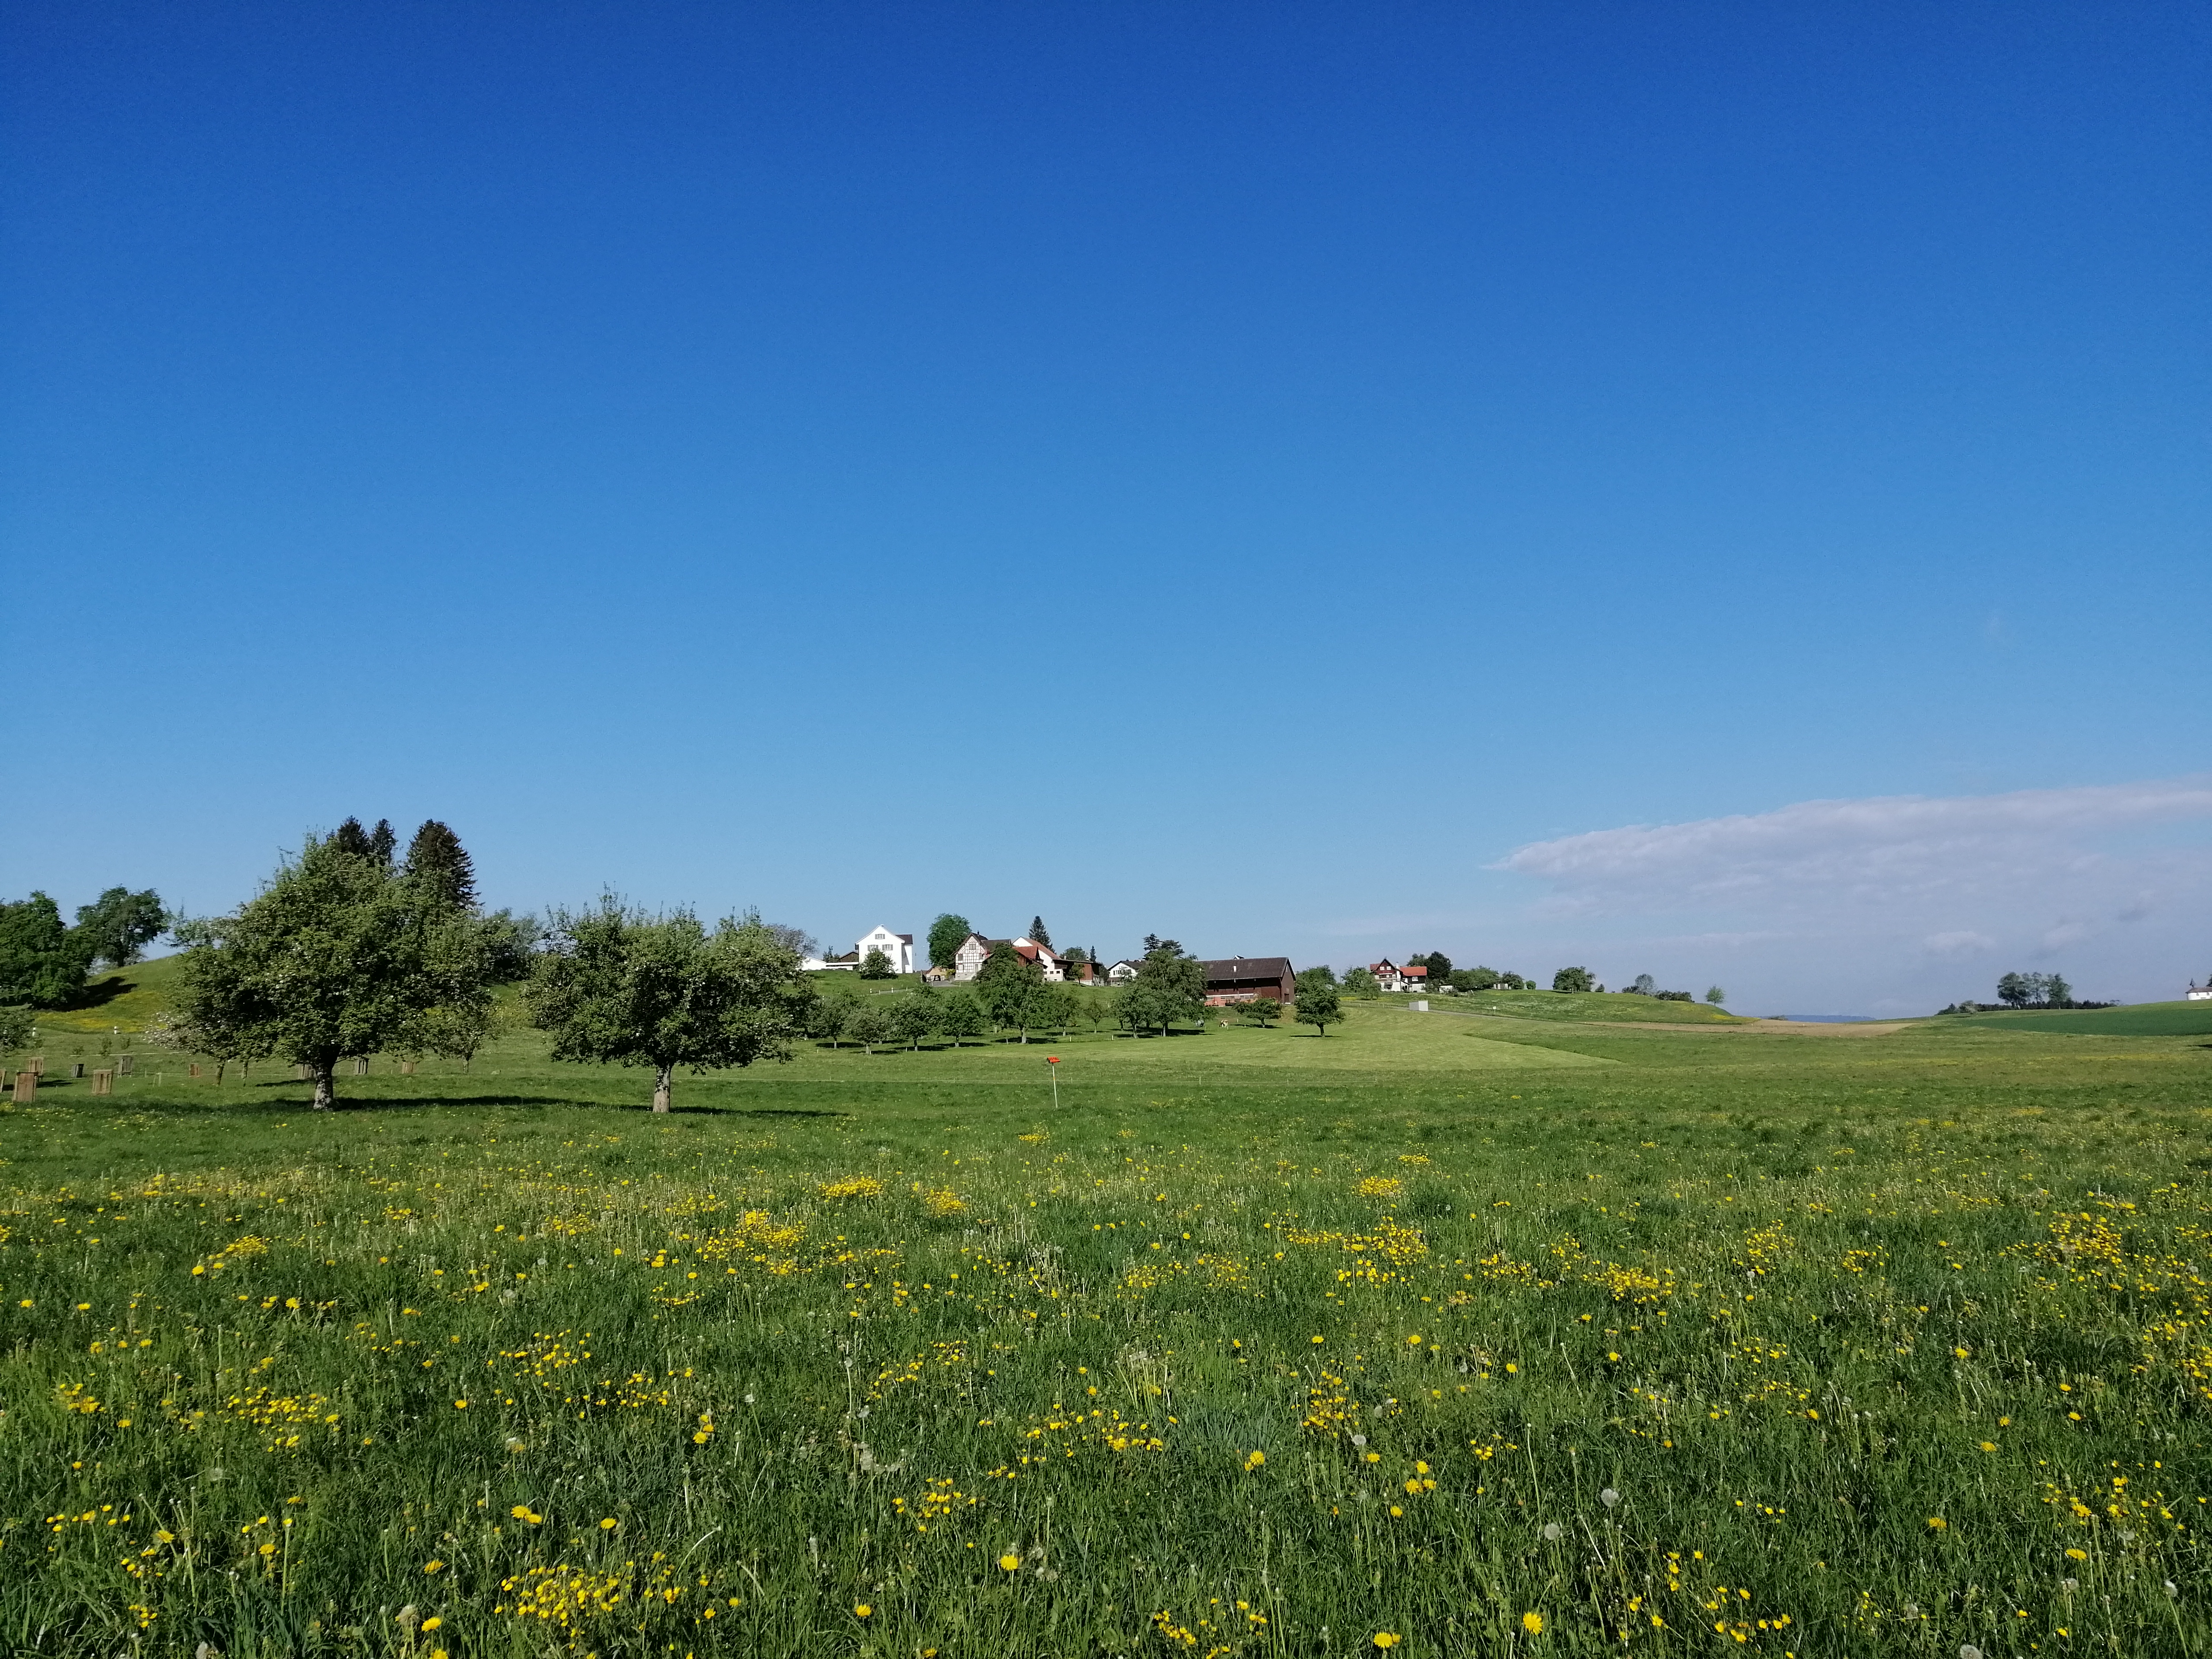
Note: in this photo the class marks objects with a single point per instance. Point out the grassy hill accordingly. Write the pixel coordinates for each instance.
(127, 999)
(1579, 1005)
(2141, 1020)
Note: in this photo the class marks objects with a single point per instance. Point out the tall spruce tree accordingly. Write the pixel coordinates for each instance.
(438, 861)
(1038, 934)
(350, 838)
(382, 842)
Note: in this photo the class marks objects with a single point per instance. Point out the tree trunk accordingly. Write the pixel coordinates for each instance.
(326, 1088)
(660, 1088)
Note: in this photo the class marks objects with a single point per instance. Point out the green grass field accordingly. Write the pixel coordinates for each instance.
(1481, 1335)
(2141, 1020)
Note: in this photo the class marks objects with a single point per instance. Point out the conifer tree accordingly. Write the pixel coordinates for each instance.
(437, 859)
(1037, 933)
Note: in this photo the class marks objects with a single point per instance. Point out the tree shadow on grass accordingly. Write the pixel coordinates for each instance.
(741, 1111)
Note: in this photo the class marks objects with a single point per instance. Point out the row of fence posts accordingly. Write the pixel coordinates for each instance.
(25, 1082)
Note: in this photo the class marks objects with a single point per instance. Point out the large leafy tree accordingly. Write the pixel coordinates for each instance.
(946, 935)
(1168, 986)
(877, 965)
(1362, 982)
(338, 955)
(962, 1017)
(118, 925)
(43, 961)
(1320, 1006)
(621, 986)
(1573, 979)
(1007, 987)
(915, 1016)
(436, 859)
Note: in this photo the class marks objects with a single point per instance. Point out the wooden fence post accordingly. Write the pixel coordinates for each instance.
(123, 1066)
(27, 1087)
(103, 1083)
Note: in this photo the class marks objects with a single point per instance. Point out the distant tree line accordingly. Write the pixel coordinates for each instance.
(2020, 991)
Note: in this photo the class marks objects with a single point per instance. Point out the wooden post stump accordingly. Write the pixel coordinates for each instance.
(103, 1083)
(195, 1068)
(299, 1074)
(38, 1064)
(407, 1068)
(78, 1070)
(27, 1087)
(123, 1066)
(360, 1067)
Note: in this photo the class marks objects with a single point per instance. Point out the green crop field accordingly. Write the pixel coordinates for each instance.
(1435, 1336)
(2140, 1019)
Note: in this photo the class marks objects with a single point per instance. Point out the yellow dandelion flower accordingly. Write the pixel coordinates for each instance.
(1936, 1523)
(432, 1622)
(1010, 1561)
(1532, 1623)
(1386, 1639)
(861, 1610)
(609, 1524)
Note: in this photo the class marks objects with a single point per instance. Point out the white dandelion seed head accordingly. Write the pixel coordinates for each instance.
(2172, 1589)
(1358, 1439)
(1553, 1531)
(2070, 1585)
(1608, 1497)
(1968, 1650)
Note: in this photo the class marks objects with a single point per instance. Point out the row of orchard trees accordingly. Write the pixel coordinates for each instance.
(351, 951)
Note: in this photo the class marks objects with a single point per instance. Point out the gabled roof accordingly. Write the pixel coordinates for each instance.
(1260, 968)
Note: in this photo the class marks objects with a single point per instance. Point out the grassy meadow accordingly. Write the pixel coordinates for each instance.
(1442, 1334)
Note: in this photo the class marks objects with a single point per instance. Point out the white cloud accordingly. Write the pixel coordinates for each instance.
(1887, 848)
(1879, 897)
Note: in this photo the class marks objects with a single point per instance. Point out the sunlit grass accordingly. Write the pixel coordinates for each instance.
(1823, 1347)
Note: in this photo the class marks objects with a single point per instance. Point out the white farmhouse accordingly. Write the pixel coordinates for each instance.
(897, 949)
(2199, 993)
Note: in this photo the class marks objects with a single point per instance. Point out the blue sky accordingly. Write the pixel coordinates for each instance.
(1259, 474)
